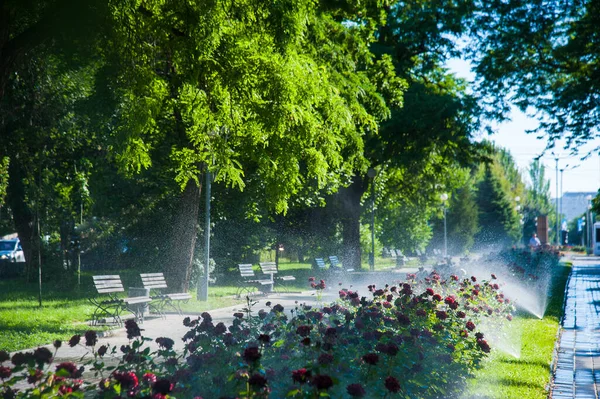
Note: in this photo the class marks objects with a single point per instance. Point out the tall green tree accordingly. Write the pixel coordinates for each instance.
(275, 95)
(499, 221)
(543, 57)
(463, 219)
(425, 138)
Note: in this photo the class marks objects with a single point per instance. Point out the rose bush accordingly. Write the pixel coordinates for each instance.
(416, 339)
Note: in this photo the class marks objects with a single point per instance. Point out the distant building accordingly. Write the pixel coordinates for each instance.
(574, 204)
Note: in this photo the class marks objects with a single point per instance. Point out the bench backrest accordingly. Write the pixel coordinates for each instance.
(108, 283)
(153, 280)
(246, 270)
(320, 262)
(268, 267)
(335, 262)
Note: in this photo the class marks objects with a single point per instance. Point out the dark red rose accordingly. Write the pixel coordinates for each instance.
(149, 378)
(102, 350)
(392, 349)
(461, 314)
(305, 341)
(42, 355)
(57, 344)
(322, 381)
(403, 319)
(220, 328)
(5, 372)
(278, 308)
(74, 340)
(440, 314)
(128, 380)
(437, 297)
(429, 291)
(479, 335)
(421, 313)
(238, 315)
(483, 345)
(303, 331)
(392, 384)
(206, 316)
(162, 386)
(133, 330)
(325, 358)
(70, 368)
(473, 278)
(301, 375)
(4, 356)
(251, 354)
(257, 381)
(91, 338)
(371, 358)
(166, 343)
(35, 377)
(470, 325)
(264, 338)
(356, 390)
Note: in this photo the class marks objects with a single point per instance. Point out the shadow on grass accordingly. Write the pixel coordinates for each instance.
(527, 362)
(54, 328)
(511, 382)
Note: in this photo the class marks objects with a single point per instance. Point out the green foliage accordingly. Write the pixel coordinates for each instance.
(3, 178)
(540, 55)
(280, 107)
(496, 193)
(463, 219)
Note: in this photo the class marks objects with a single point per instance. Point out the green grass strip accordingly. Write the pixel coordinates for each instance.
(504, 376)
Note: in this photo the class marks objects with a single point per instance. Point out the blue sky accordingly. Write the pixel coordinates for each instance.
(577, 176)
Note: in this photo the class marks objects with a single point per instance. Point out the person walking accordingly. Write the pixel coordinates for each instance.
(534, 241)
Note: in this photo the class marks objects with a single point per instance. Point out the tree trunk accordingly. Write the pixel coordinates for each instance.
(22, 215)
(350, 211)
(183, 238)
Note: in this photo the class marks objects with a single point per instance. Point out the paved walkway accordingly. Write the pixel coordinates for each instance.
(578, 363)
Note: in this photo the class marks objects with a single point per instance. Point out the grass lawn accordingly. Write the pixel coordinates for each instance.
(504, 376)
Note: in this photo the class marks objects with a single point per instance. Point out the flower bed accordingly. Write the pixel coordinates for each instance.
(417, 339)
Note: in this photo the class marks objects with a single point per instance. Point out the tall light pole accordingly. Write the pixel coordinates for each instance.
(557, 232)
(444, 198)
(202, 289)
(371, 173)
(589, 224)
(518, 208)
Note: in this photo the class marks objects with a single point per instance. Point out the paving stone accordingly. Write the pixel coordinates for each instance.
(578, 357)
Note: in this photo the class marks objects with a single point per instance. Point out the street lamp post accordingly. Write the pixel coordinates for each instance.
(444, 198)
(202, 288)
(589, 227)
(557, 217)
(371, 174)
